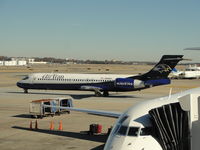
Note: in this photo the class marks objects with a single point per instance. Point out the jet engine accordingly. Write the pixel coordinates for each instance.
(128, 83)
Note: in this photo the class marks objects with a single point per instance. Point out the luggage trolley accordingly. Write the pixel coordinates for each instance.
(37, 110)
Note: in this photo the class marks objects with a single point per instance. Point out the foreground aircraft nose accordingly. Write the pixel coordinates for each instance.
(121, 143)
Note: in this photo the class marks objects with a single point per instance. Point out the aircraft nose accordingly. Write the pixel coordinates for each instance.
(115, 143)
(19, 84)
(121, 143)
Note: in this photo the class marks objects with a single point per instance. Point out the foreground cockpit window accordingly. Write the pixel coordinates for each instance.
(25, 78)
(116, 129)
(146, 131)
(133, 131)
(122, 130)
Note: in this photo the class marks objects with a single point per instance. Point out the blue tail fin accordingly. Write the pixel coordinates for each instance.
(162, 69)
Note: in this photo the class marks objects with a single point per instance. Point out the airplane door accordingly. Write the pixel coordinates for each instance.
(33, 80)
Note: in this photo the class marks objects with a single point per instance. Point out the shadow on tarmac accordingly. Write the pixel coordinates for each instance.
(22, 116)
(75, 96)
(98, 147)
(95, 138)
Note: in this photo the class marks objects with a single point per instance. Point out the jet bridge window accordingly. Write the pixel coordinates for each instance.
(146, 131)
(133, 131)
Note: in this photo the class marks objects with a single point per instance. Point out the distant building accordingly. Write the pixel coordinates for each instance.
(10, 63)
(1, 63)
(33, 62)
(22, 62)
(14, 62)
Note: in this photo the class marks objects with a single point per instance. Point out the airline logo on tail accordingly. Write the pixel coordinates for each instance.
(162, 68)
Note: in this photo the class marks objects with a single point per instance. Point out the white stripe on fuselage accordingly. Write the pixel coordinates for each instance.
(73, 78)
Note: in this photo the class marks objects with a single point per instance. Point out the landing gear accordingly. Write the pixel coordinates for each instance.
(25, 90)
(105, 93)
(98, 93)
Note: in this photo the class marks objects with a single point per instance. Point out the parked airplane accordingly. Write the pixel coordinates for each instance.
(175, 74)
(166, 123)
(191, 72)
(103, 82)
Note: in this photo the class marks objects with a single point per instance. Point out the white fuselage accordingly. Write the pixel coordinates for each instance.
(73, 78)
(191, 72)
(90, 82)
(138, 118)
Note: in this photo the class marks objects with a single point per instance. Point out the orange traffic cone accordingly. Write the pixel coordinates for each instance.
(60, 126)
(52, 125)
(36, 125)
(31, 125)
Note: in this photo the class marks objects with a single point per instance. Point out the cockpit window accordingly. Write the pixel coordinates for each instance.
(122, 130)
(25, 78)
(133, 131)
(116, 129)
(146, 131)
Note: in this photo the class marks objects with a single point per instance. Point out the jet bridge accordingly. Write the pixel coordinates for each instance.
(177, 125)
(191, 103)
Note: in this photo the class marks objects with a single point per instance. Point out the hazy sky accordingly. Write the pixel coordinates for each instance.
(99, 29)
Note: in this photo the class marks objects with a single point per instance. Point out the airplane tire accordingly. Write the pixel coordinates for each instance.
(97, 94)
(105, 93)
(25, 90)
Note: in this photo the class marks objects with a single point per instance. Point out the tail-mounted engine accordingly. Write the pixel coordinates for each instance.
(128, 83)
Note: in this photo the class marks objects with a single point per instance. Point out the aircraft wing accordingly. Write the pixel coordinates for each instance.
(89, 111)
(90, 88)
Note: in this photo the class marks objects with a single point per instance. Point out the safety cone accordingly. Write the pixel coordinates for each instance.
(60, 126)
(31, 125)
(52, 125)
(36, 125)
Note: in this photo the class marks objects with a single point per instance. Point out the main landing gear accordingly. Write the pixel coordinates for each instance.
(105, 93)
(98, 93)
(25, 90)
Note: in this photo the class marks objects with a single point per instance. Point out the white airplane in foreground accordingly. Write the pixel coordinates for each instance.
(103, 82)
(166, 123)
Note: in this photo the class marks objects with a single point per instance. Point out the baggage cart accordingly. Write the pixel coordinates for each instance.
(37, 110)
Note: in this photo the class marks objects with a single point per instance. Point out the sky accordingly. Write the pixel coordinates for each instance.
(129, 30)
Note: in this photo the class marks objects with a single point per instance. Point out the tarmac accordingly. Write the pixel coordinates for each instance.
(15, 132)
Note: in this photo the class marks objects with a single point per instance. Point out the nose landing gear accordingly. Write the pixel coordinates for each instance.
(25, 90)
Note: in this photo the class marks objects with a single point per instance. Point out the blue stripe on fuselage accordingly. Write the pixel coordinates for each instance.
(157, 82)
(104, 86)
(57, 86)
